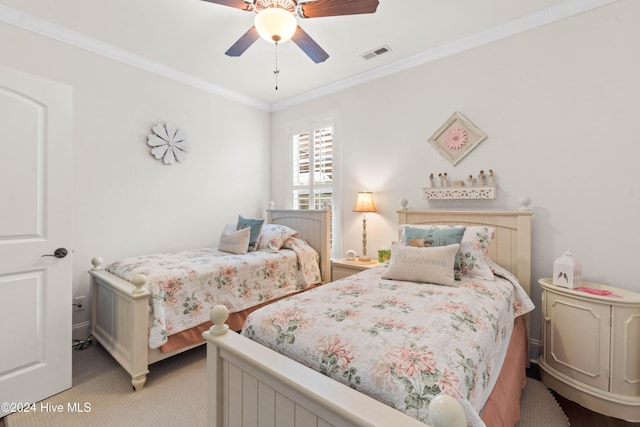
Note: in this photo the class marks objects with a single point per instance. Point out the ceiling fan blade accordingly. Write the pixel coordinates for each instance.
(238, 4)
(309, 46)
(320, 8)
(243, 42)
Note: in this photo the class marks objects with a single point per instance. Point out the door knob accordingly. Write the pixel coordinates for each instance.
(58, 253)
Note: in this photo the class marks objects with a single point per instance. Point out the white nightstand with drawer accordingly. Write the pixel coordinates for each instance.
(343, 267)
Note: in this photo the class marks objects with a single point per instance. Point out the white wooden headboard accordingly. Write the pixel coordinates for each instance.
(511, 244)
(312, 225)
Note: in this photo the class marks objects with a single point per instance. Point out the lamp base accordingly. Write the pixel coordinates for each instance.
(364, 258)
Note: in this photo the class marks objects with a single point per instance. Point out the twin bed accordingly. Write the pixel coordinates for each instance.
(383, 347)
(146, 309)
(379, 348)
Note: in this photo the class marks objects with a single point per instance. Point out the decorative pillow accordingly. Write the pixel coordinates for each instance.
(256, 228)
(234, 241)
(438, 235)
(473, 252)
(273, 237)
(425, 265)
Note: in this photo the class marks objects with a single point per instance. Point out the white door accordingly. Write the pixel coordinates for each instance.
(36, 161)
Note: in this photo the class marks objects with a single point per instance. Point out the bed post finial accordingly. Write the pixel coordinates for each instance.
(219, 315)
(446, 411)
(272, 204)
(97, 263)
(524, 202)
(138, 281)
(403, 204)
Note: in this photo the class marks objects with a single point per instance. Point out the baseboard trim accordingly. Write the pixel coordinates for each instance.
(81, 331)
(535, 350)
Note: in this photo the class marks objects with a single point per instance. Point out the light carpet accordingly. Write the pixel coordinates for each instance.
(538, 407)
(175, 395)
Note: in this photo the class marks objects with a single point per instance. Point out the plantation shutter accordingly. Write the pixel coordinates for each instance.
(313, 169)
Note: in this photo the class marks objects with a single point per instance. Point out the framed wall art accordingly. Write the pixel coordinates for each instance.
(456, 138)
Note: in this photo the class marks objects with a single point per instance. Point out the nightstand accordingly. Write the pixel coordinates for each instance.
(343, 267)
(591, 341)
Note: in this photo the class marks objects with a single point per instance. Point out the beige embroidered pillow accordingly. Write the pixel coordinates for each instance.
(236, 242)
(424, 265)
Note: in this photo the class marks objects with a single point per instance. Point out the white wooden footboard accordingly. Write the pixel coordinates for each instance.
(119, 320)
(251, 385)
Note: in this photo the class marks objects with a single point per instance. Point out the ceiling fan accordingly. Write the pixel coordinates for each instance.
(276, 21)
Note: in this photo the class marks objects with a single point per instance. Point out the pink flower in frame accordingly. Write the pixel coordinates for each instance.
(455, 138)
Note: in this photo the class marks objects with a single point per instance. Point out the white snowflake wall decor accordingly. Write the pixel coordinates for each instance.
(168, 143)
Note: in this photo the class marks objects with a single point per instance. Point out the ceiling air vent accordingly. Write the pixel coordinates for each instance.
(376, 52)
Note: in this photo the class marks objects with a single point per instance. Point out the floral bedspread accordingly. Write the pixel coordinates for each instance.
(401, 343)
(185, 285)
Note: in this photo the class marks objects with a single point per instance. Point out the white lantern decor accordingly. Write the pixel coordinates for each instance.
(567, 271)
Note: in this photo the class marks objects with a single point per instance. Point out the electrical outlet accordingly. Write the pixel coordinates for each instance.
(79, 304)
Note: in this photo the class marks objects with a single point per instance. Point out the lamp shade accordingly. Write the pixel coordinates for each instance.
(275, 24)
(364, 202)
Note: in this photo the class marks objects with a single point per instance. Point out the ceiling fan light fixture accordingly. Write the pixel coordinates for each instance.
(275, 25)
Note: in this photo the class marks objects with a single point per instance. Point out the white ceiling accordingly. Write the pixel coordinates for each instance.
(186, 39)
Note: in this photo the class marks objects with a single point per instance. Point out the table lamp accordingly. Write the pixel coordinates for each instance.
(364, 204)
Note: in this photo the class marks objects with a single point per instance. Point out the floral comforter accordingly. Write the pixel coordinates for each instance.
(185, 285)
(401, 343)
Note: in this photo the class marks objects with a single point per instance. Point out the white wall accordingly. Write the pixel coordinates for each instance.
(560, 107)
(559, 104)
(126, 202)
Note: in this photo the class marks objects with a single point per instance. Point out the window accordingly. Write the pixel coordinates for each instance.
(314, 180)
(312, 169)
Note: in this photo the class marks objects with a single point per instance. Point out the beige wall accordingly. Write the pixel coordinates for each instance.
(126, 202)
(560, 107)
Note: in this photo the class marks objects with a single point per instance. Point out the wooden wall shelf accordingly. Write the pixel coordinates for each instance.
(487, 192)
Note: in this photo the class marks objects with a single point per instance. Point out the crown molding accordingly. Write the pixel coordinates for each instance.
(565, 9)
(64, 35)
(562, 10)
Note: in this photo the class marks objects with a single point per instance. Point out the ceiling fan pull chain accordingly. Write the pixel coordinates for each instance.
(276, 71)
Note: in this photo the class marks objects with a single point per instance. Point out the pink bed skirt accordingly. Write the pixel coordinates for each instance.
(503, 406)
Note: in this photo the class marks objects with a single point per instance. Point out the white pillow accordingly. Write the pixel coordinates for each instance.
(235, 241)
(425, 265)
(273, 237)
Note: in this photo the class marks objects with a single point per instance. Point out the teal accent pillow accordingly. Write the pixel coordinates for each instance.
(434, 237)
(256, 229)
